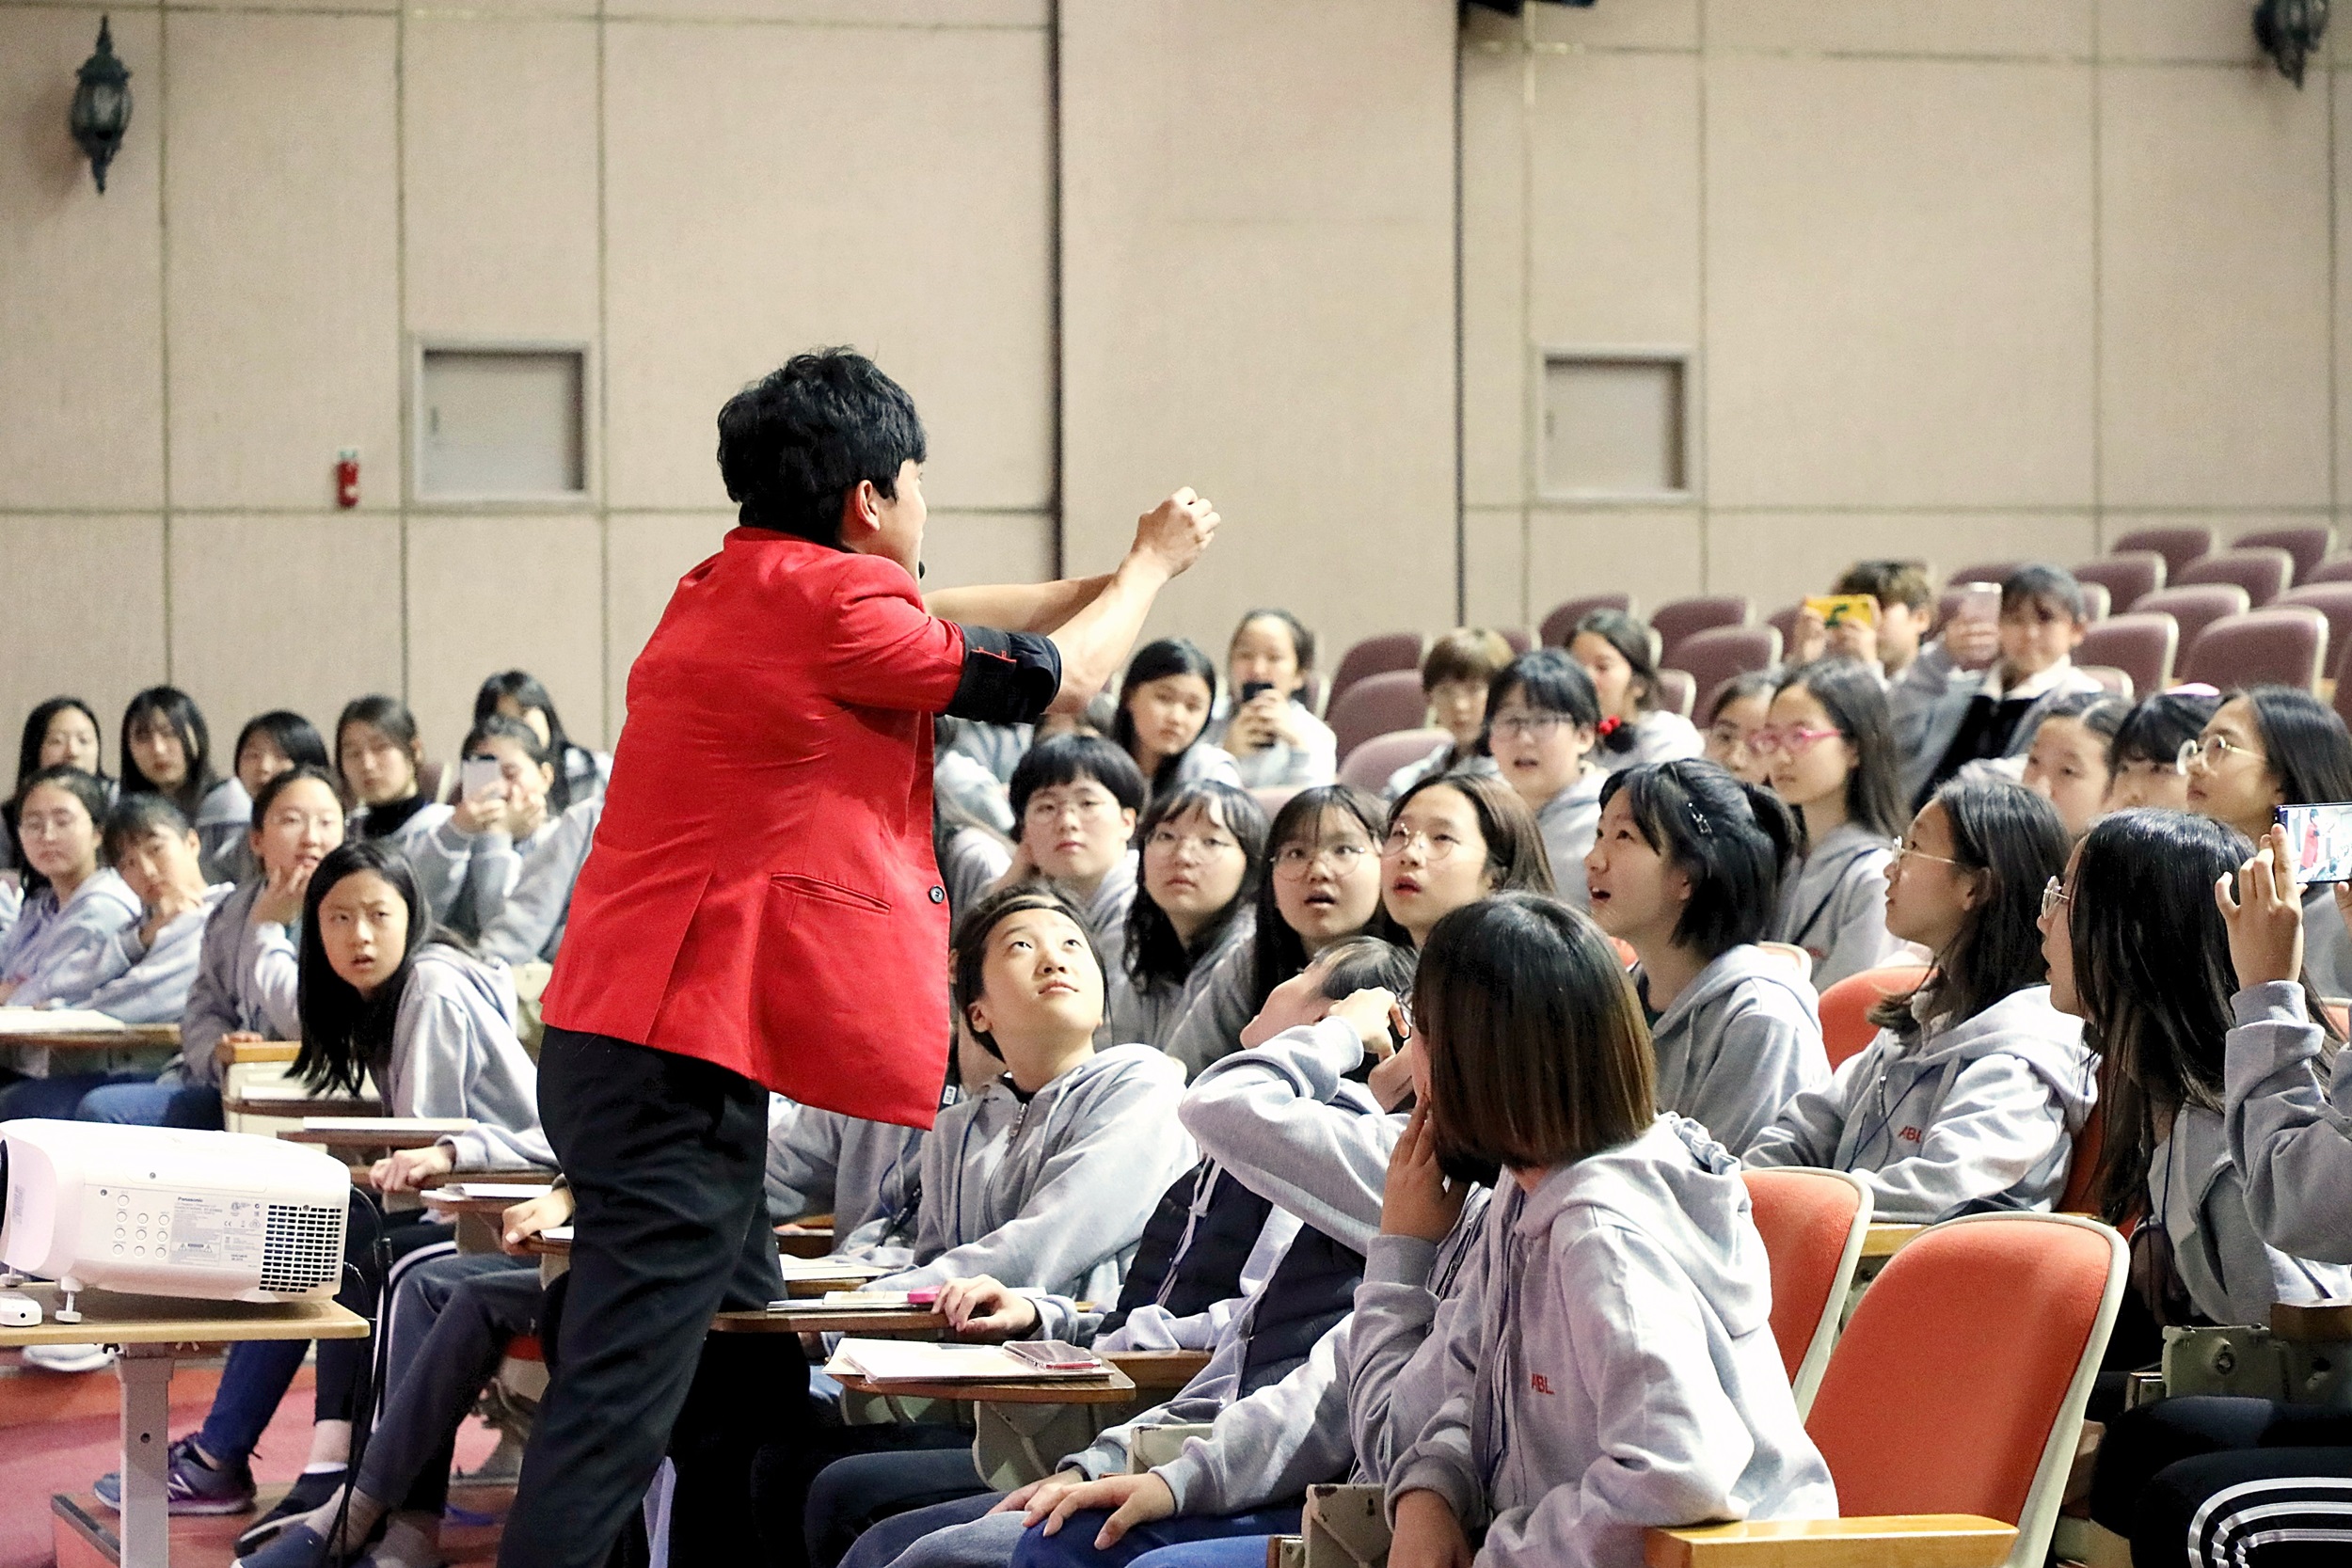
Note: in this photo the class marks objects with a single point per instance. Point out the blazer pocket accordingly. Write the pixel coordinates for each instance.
(801, 884)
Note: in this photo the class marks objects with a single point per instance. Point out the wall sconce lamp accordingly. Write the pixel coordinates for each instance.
(102, 105)
(2289, 32)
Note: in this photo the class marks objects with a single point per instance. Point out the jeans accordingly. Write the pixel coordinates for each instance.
(148, 1103)
(1074, 1546)
(59, 1096)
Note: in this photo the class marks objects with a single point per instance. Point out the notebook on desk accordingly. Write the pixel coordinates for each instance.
(921, 1361)
(59, 1021)
(442, 1124)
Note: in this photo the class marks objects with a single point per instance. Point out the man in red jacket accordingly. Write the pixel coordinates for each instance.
(760, 909)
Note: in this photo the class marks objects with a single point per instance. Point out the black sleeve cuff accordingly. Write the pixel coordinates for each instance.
(1009, 678)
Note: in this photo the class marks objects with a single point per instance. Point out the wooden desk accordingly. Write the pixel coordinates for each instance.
(293, 1107)
(1114, 1387)
(805, 1241)
(136, 1036)
(1158, 1371)
(926, 1321)
(229, 1052)
(1884, 1240)
(387, 1139)
(478, 1219)
(154, 1331)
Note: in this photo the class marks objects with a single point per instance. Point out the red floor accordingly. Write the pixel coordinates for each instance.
(58, 1435)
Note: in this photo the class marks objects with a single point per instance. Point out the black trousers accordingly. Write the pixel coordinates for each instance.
(2211, 1481)
(664, 1156)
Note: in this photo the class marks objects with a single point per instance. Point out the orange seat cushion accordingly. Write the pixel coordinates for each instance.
(1846, 1025)
(1804, 1218)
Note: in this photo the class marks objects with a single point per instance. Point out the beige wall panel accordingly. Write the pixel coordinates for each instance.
(1258, 299)
(503, 593)
(1495, 583)
(767, 221)
(2214, 290)
(863, 13)
(1614, 245)
(1653, 553)
(1494, 276)
(501, 170)
(960, 548)
(2342, 250)
(299, 613)
(2014, 29)
(1777, 558)
(1898, 282)
(1644, 24)
(90, 627)
(81, 296)
(284, 289)
(645, 556)
(2178, 30)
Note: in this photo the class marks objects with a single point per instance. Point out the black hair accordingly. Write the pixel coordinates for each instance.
(1367, 963)
(1155, 954)
(2100, 712)
(1278, 952)
(793, 444)
(134, 817)
(293, 735)
(346, 1035)
(36, 732)
(389, 716)
(1065, 759)
(2156, 727)
(1514, 844)
(1856, 699)
(2045, 584)
(1169, 655)
(86, 788)
(1902, 582)
(2309, 753)
(2013, 838)
(1302, 640)
(523, 689)
(1734, 840)
(1748, 683)
(499, 727)
(1549, 680)
(178, 709)
(268, 796)
(971, 946)
(1629, 636)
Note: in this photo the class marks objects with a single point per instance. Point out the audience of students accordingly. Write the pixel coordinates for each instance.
(1456, 675)
(167, 751)
(580, 773)
(1203, 852)
(1162, 718)
(1962, 717)
(1620, 653)
(1273, 738)
(1830, 752)
(1889, 638)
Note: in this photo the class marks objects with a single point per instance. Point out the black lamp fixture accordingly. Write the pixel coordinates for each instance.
(2289, 32)
(102, 105)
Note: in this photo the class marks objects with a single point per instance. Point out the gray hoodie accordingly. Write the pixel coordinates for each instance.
(1973, 1116)
(1050, 1191)
(465, 877)
(2233, 1275)
(51, 951)
(1613, 1367)
(1741, 1039)
(223, 820)
(1106, 912)
(2327, 946)
(1211, 1022)
(1151, 1012)
(1569, 822)
(142, 982)
(455, 1054)
(1412, 1289)
(246, 978)
(821, 1161)
(528, 925)
(1834, 905)
(1657, 737)
(1929, 704)
(2289, 1121)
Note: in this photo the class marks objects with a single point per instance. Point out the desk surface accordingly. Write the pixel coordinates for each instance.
(108, 1318)
(1159, 1370)
(1115, 1388)
(136, 1036)
(385, 1138)
(913, 1321)
(295, 1106)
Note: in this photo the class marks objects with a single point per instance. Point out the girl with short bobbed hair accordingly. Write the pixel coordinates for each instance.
(1686, 871)
(2144, 756)
(1456, 675)
(1610, 1364)
(1616, 650)
(1543, 718)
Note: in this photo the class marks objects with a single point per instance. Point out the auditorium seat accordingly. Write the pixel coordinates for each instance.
(1986, 570)
(1378, 703)
(2336, 568)
(2287, 646)
(1370, 764)
(2115, 682)
(1520, 638)
(2193, 609)
(2178, 546)
(1846, 1026)
(2128, 578)
(1812, 1223)
(2331, 599)
(1677, 691)
(1785, 623)
(2097, 602)
(1713, 656)
(1374, 655)
(1679, 619)
(2143, 644)
(2264, 574)
(2308, 545)
(1560, 625)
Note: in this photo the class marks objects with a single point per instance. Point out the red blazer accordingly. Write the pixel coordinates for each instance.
(761, 892)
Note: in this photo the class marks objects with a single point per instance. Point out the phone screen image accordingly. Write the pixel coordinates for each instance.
(477, 776)
(1841, 608)
(1979, 601)
(2320, 837)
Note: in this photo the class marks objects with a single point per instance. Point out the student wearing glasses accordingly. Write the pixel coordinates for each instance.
(1542, 720)
(1075, 799)
(1203, 849)
(2273, 746)
(1453, 840)
(1830, 754)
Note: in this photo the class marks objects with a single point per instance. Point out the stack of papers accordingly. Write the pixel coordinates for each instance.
(501, 1192)
(915, 1361)
(827, 1268)
(58, 1021)
(443, 1125)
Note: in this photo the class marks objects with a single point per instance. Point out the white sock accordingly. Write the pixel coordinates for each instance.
(412, 1540)
(330, 1447)
(361, 1519)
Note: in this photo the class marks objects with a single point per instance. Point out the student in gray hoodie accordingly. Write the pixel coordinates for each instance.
(46, 960)
(1613, 1367)
(1686, 871)
(1542, 720)
(1202, 850)
(1972, 1095)
(529, 926)
(1075, 799)
(1831, 755)
(468, 866)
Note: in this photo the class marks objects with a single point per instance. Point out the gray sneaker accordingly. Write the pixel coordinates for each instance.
(195, 1485)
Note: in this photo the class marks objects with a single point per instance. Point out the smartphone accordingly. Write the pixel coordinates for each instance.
(1979, 601)
(1249, 689)
(1055, 1356)
(1842, 609)
(477, 776)
(2321, 839)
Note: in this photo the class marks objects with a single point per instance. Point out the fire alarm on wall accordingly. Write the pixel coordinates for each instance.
(347, 477)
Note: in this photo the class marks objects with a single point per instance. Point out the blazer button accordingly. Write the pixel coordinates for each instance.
(939, 895)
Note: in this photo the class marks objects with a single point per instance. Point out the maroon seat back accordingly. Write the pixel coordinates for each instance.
(2194, 607)
(1368, 765)
(1678, 619)
(2142, 645)
(1785, 623)
(1376, 656)
(2331, 599)
(2178, 546)
(1521, 639)
(2097, 601)
(1677, 691)
(2264, 574)
(1561, 624)
(2287, 646)
(1381, 703)
(2308, 545)
(2128, 578)
(1713, 656)
(2336, 568)
(1986, 571)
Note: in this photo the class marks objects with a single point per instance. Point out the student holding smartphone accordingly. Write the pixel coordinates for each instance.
(468, 865)
(1273, 738)
(1990, 717)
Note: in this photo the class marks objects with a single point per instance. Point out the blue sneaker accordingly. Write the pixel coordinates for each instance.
(194, 1487)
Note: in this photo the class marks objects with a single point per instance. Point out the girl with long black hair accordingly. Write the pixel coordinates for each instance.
(580, 773)
(1828, 748)
(168, 749)
(1203, 850)
(1164, 705)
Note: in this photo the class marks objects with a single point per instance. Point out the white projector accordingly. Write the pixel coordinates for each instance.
(220, 1216)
